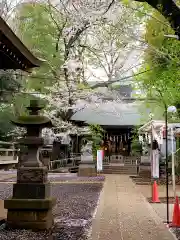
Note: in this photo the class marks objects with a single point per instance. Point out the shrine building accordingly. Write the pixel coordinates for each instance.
(13, 53)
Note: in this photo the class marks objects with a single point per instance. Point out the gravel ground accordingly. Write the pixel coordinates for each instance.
(74, 177)
(5, 190)
(73, 212)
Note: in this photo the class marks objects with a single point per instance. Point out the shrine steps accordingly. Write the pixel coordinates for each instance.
(119, 169)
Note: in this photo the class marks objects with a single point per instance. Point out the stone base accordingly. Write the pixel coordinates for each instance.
(32, 175)
(35, 214)
(87, 170)
(31, 190)
(145, 171)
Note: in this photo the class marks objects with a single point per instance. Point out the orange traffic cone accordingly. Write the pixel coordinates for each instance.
(155, 195)
(176, 214)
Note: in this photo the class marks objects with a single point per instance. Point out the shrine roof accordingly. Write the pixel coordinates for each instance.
(13, 53)
(120, 114)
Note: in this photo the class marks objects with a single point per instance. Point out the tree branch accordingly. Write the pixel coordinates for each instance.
(109, 6)
(102, 84)
(73, 38)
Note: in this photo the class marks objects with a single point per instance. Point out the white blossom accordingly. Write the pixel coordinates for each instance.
(81, 20)
(72, 65)
(17, 132)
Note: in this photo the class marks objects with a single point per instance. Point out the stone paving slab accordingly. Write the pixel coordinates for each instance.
(3, 212)
(160, 209)
(124, 214)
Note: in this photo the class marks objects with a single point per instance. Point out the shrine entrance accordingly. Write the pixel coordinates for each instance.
(117, 141)
(117, 144)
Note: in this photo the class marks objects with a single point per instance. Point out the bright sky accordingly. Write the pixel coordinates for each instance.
(131, 65)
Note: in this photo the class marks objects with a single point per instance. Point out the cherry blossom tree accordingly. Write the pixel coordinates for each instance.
(68, 95)
(70, 88)
(74, 29)
(63, 101)
(109, 51)
(80, 33)
(7, 8)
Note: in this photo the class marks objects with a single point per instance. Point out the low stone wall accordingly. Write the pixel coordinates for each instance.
(144, 170)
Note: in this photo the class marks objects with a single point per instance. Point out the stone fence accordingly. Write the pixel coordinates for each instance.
(8, 155)
(123, 160)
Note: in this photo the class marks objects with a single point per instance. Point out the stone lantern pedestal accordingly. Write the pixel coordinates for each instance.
(31, 205)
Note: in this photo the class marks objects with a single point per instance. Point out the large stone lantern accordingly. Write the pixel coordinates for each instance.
(31, 204)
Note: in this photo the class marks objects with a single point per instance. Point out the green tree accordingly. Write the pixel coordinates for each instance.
(52, 35)
(6, 113)
(9, 87)
(161, 61)
(42, 36)
(97, 134)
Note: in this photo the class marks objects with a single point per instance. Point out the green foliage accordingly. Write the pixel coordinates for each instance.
(135, 133)
(43, 29)
(177, 170)
(136, 147)
(41, 36)
(97, 133)
(21, 102)
(162, 59)
(141, 10)
(5, 121)
(8, 85)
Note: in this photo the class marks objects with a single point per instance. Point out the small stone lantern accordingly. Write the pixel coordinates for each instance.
(87, 165)
(31, 205)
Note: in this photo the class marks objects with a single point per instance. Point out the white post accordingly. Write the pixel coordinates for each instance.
(173, 165)
(152, 138)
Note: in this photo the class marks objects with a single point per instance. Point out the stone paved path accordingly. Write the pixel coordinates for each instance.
(124, 214)
(3, 212)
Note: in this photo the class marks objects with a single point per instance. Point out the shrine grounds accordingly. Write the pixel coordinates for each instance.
(96, 208)
(161, 208)
(77, 199)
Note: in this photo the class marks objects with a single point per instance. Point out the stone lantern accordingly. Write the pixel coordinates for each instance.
(31, 205)
(87, 166)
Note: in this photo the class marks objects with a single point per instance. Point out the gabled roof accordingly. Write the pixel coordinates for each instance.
(13, 53)
(120, 114)
(157, 124)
